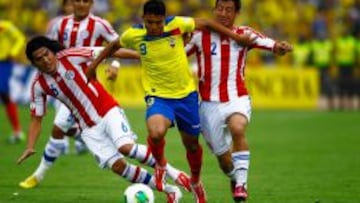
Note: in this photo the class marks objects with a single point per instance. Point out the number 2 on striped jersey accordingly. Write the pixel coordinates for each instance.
(213, 48)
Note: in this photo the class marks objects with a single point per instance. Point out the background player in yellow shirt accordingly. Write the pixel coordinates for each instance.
(171, 95)
(12, 41)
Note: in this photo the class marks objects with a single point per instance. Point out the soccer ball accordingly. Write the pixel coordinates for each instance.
(139, 193)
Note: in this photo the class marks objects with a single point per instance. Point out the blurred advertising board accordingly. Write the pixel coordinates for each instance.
(283, 88)
(270, 88)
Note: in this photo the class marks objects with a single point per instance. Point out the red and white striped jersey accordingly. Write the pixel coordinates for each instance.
(88, 101)
(221, 62)
(50, 29)
(91, 31)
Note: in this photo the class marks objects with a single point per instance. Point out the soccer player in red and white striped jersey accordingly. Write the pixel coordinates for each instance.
(77, 30)
(66, 9)
(82, 29)
(105, 128)
(225, 108)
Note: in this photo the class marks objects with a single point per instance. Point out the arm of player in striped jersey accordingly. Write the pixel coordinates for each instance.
(243, 39)
(109, 50)
(33, 135)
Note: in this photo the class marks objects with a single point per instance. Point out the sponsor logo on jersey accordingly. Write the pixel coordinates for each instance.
(69, 75)
(172, 42)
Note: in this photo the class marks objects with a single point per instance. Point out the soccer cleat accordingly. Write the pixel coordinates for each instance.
(173, 194)
(160, 175)
(184, 181)
(16, 138)
(199, 193)
(80, 147)
(239, 193)
(29, 182)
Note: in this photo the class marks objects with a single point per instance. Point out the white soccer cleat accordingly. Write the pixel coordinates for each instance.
(173, 194)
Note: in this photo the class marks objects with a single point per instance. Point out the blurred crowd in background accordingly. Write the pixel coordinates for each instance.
(329, 27)
(294, 20)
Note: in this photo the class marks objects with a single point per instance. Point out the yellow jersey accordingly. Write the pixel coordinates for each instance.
(11, 39)
(166, 72)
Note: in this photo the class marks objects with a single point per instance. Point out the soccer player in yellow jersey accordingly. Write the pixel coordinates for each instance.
(171, 95)
(12, 41)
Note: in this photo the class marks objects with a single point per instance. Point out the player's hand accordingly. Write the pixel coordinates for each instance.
(246, 39)
(26, 154)
(111, 73)
(282, 48)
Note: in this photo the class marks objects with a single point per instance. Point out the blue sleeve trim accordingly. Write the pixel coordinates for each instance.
(138, 26)
(169, 19)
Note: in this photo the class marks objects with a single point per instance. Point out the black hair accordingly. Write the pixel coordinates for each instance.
(42, 41)
(64, 2)
(156, 7)
(236, 2)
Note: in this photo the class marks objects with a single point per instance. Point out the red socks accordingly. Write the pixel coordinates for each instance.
(157, 150)
(195, 162)
(11, 110)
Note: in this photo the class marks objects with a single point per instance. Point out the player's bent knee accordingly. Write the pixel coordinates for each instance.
(118, 166)
(239, 129)
(157, 133)
(126, 149)
(57, 133)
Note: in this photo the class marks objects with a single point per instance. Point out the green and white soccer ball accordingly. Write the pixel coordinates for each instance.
(139, 193)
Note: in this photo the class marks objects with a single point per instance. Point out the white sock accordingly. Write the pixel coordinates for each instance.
(142, 154)
(136, 174)
(241, 161)
(172, 172)
(53, 150)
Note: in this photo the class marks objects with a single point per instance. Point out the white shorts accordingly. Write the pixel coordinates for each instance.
(63, 118)
(213, 117)
(105, 138)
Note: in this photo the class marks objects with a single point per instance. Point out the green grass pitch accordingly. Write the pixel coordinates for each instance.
(296, 157)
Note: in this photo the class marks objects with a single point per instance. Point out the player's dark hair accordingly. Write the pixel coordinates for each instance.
(64, 2)
(42, 41)
(237, 4)
(156, 7)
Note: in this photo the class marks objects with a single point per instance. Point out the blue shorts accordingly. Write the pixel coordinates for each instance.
(5, 74)
(184, 111)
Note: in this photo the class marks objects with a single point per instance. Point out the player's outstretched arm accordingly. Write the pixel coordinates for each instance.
(243, 39)
(282, 48)
(109, 50)
(33, 135)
